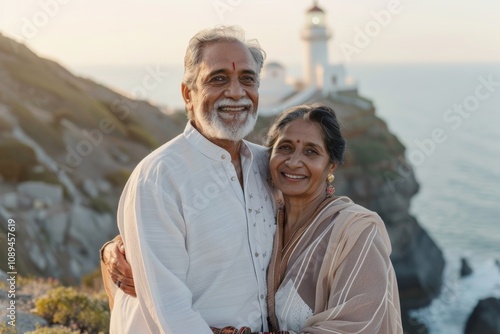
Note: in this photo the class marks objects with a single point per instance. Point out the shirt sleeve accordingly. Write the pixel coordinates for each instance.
(153, 232)
(362, 289)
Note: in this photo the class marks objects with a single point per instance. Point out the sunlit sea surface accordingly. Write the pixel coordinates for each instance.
(459, 175)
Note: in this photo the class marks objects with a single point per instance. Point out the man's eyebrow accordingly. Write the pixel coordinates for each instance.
(216, 72)
(252, 72)
(224, 71)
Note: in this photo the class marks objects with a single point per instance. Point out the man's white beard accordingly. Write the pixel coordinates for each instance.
(214, 126)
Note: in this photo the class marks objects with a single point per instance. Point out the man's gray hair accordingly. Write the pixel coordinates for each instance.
(228, 34)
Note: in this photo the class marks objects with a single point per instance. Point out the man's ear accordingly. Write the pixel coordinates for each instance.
(186, 95)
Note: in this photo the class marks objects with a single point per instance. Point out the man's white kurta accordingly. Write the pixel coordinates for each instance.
(199, 245)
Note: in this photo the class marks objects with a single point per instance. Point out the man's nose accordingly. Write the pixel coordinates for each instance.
(235, 90)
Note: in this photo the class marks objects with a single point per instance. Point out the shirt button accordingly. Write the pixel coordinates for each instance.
(256, 254)
(233, 178)
(223, 156)
(261, 296)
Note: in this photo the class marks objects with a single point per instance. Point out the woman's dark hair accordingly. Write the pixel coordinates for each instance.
(320, 114)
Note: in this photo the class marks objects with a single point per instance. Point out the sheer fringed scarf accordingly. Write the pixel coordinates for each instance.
(340, 268)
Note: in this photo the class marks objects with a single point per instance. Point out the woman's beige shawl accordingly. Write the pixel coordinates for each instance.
(339, 265)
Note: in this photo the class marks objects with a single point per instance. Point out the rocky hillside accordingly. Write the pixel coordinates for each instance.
(67, 147)
(68, 144)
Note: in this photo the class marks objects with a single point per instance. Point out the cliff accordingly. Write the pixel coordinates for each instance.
(68, 144)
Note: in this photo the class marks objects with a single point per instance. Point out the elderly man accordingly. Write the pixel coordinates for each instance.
(197, 215)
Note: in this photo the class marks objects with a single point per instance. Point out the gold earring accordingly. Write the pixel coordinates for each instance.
(330, 189)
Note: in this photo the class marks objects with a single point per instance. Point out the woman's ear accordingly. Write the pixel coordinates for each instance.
(333, 167)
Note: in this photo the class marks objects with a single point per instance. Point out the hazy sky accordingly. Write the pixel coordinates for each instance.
(122, 32)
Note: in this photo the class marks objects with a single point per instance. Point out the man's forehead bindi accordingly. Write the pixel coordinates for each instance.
(234, 66)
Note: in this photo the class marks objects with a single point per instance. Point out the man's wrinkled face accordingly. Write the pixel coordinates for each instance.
(225, 96)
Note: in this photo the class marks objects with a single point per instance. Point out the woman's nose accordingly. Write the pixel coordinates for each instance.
(293, 161)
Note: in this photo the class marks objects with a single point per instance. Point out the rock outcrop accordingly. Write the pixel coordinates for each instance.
(485, 319)
(378, 177)
(465, 269)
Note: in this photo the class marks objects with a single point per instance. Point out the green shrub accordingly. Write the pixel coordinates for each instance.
(45, 176)
(100, 205)
(93, 281)
(141, 135)
(7, 329)
(118, 177)
(367, 152)
(13, 171)
(17, 160)
(15, 150)
(5, 126)
(53, 330)
(69, 307)
(46, 135)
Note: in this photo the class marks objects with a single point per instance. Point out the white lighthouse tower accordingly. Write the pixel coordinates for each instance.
(315, 35)
(278, 92)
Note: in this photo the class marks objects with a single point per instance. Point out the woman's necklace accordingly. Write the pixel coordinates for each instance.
(299, 231)
(292, 237)
(290, 245)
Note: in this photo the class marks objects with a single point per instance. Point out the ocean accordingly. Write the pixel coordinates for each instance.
(448, 117)
(459, 199)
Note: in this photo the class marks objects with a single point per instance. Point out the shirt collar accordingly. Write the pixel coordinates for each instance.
(209, 149)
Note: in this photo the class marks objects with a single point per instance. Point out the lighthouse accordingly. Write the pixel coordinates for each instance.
(319, 77)
(315, 35)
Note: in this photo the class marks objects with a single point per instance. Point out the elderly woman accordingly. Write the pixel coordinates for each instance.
(330, 270)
